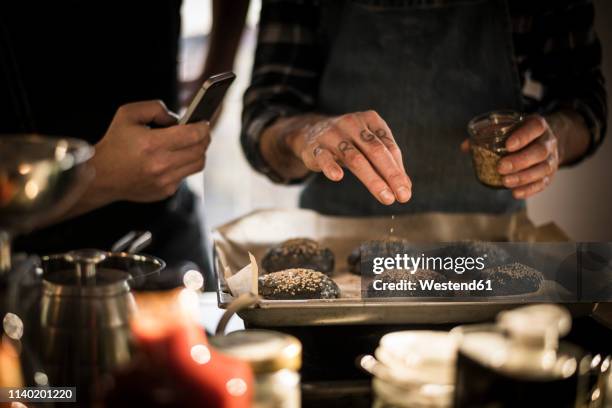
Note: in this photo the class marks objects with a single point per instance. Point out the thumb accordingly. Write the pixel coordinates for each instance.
(465, 146)
(148, 112)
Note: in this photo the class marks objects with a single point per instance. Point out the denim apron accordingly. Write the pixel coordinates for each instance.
(427, 67)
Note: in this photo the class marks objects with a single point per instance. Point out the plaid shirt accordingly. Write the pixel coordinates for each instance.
(555, 47)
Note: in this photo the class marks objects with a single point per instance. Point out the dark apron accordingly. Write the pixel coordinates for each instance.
(427, 67)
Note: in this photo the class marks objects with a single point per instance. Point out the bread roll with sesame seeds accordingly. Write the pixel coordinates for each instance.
(297, 283)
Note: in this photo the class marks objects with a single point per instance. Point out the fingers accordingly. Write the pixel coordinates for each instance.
(530, 130)
(325, 161)
(168, 169)
(381, 130)
(181, 136)
(187, 170)
(534, 160)
(186, 156)
(465, 146)
(536, 152)
(363, 170)
(169, 183)
(148, 112)
(531, 175)
(531, 189)
(373, 138)
(370, 143)
(162, 163)
(364, 144)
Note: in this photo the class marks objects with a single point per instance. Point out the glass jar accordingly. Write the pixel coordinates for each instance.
(414, 369)
(275, 359)
(520, 361)
(488, 134)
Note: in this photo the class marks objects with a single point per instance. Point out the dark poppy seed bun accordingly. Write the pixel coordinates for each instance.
(511, 279)
(354, 261)
(298, 253)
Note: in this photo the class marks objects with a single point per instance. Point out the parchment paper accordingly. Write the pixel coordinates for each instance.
(258, 231)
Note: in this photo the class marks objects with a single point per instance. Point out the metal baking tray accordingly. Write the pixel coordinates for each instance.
(257, 231)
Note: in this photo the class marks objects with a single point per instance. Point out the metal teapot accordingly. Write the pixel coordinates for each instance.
(85, 309)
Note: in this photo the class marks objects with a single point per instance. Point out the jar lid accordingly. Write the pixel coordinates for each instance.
(538, 325)
(493, 128)
(419, 356)
(495, 348)
(266, 351)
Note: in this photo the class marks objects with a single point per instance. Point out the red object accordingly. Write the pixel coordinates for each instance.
(176, 367)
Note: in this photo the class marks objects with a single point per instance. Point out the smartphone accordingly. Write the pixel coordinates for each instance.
(209, 97)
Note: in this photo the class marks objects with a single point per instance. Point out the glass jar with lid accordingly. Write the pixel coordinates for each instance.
(520, 361)
(413, 369)
(275, 359)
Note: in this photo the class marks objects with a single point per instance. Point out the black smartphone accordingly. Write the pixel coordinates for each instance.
(209, 97)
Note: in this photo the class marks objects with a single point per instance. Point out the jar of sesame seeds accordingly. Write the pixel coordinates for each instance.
(488, 134)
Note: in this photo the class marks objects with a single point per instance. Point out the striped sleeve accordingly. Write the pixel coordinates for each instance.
(285, 73)
(562, 52)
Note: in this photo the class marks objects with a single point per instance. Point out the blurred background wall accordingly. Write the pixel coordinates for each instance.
(579, 199)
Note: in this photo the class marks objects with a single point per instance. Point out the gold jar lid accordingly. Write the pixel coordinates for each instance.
(266, 351)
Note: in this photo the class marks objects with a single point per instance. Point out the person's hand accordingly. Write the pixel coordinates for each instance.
(361, 142)
(533, 158)
(136, 163)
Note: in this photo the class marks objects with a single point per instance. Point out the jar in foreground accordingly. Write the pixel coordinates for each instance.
(414, 369)
(275, 359)
(520, 361)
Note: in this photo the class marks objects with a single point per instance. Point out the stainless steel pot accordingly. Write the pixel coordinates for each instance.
(85, 310)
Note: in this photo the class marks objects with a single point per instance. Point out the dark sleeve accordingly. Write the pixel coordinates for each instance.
(565, 57)
(285, 74)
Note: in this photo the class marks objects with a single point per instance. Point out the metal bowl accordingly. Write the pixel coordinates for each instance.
(40, 178)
